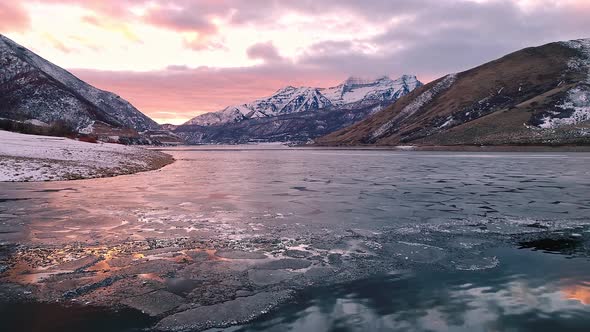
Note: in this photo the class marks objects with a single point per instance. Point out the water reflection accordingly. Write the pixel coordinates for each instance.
(579, 292)
(521, 295)
(49, 317)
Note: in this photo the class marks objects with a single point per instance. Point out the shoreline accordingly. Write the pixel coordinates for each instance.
(459, 148)
(398, 148)
(32, 158)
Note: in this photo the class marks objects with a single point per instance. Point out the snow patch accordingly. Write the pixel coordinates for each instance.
(446, 123)
(88, 129)
(36, 122)
(581, 62)
(44, 158)
(578, 100)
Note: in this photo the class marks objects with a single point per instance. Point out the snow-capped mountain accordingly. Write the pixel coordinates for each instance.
(382, 89)
(352, 93)
(34, 88)
(297, 114)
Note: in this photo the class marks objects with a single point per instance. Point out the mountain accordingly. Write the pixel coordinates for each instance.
(284, 101)
(535, 96)
(355, 92)
(297, 113)
(32, 88)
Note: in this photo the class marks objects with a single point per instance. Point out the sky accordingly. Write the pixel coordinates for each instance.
(175, 59)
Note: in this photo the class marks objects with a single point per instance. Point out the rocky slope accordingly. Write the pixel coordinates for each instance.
(538, 95)
(297, 114)
(33, 88)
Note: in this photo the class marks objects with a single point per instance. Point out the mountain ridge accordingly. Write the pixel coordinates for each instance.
(290, 99)
(31, 87)
(297, 114)
(537, 95)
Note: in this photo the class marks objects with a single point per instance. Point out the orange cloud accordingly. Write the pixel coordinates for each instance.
(199, 41)
(113, 26)
(56, 43)
(112, 8)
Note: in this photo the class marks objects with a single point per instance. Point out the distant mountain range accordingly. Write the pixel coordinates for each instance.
(36, 92)
(297, 113)
(536, 96)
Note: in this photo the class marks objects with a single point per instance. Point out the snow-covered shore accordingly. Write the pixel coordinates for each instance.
(45, 158)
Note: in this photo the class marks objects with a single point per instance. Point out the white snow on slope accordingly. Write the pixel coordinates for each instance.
(578, 100)
(355, 89)
(415, 105)
(284, 101)
(581, 62)
(44, 158)
(36, 122)
(88, 129)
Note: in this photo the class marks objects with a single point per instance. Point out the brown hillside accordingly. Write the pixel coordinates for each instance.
(501, 102)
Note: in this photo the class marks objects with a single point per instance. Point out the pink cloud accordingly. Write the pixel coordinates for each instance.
(112, 8)
(264, 51)
(176, 15)
(181, 20)
(204, 42)
(13, 18)
(189, 16)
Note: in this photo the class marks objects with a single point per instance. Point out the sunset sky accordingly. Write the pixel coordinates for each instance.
(174, 59)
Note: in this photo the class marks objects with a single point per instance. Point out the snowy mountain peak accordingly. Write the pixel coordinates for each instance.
(407, 78)
(353, 92)
(379, 90)
(354, 80)
(286, 89)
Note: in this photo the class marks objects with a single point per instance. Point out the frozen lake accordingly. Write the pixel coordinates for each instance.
(347, 240)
